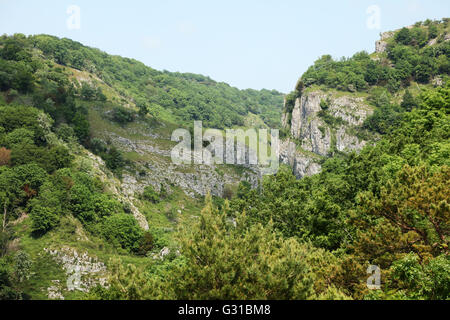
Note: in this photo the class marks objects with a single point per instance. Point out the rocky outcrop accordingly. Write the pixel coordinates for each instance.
(320, 124)
(114, 186)
(156, 168)
(302, 164)
(381, 45)
(83, 272)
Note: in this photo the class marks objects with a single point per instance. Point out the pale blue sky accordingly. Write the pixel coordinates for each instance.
(246, 43)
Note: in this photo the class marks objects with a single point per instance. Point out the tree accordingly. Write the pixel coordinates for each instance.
(123, 231)
(43, 219)
(422, 280)
(22, 266)
(87, 92)
(245, 261)
(114, 160)
(412, 208)
(129, 283)
(81, 203)
(7, 290)
(403, 36)
(56, 158)
(432, 31)
(122, 115)
(409, 102)
(81, 126)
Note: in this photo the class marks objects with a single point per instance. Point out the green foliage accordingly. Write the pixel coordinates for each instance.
(146, 244)
(22, 266)
(114, 160)
(418, 280)
(7, 287)
(290, 100)
(21, 117)
(81, 126)
(297, 208)
(123, 115)
(384, 119)
(19, 136)
(186, 96)
(150, 194)
(409, 102)
(403, 36)
(324, 104)
(288, 239)
(411, 59)
(242, 262)
(44, 219)
(89, 93)
(66, 133)
(123, 231)
(379, 205)
(82, 203)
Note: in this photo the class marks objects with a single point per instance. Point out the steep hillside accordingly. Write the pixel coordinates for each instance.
(86, 139)
(176, 97)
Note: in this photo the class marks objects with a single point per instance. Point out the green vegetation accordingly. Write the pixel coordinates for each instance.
(186, 96)
(312, 238)
(408, 59)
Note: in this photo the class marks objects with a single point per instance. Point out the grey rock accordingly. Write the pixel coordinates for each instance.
(313, 139)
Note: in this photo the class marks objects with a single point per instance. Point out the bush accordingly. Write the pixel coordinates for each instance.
(97, 146)
(324, 104)
(81, 203)
(384, 119)
(105, 205)
(150, 194)
(123, 115)
(114, 159)
(403, 36)
(18, 136)
(57, 158)
(43, 219)
(146, 244)
(65, 133)
(81, 126)
(228, 192)
(123, 231)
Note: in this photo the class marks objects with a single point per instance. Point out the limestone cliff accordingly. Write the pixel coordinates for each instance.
(320, 124)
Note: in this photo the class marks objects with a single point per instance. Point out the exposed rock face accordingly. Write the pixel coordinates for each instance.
(389, 34)
(116, 187)
(284, 117)
(320, 124)
(380, 46)
(83, 272)
(302, 164)
(157, 169)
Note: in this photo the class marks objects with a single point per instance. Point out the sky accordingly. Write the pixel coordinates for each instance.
(246, 43)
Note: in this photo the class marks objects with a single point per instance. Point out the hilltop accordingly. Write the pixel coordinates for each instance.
(340, 106)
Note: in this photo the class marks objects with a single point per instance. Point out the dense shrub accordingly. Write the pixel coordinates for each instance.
(150, 194)
(123, 231)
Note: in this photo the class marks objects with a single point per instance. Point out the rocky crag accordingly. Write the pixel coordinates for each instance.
(321, 123)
